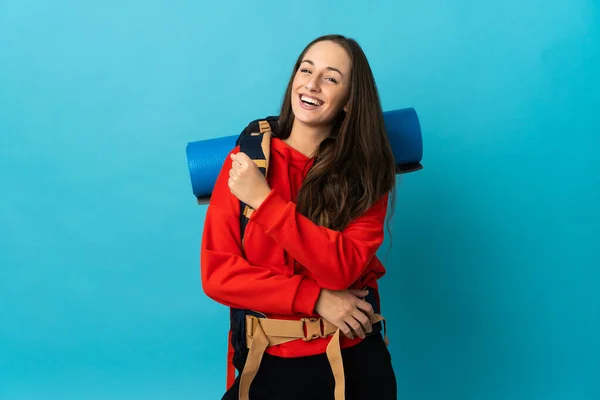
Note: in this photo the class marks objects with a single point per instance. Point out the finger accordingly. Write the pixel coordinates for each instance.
(359, 293)
(235, 158)
(243, 158)
(364, 321)
(355, 325)
(345, 330)
(238, 160)
(367, 308)
(237, 167)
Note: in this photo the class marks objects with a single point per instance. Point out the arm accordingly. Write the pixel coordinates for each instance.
(229, 279)
(336, 259)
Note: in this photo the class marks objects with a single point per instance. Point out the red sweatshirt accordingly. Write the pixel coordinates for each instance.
(266, 279)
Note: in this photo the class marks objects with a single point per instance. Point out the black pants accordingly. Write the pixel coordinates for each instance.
(367, 369)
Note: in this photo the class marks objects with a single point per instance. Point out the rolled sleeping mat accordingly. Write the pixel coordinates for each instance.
(206, 157)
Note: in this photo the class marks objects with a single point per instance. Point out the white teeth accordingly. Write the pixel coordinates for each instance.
(310, 100)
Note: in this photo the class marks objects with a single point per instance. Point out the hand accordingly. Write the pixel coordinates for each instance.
(347, 310)
(246, 182)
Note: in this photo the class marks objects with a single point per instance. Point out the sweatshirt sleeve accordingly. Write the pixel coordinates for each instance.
(336, 259)
(226, 275)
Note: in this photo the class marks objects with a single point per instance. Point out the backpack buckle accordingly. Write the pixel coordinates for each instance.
(313, 329)
(251, 320)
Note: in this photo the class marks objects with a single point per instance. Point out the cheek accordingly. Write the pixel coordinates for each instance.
(338, 98)
(297, 82)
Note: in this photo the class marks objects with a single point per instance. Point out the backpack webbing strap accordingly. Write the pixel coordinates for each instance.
(265, 332)
(257, 146)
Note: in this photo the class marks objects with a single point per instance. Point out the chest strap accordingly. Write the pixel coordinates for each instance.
(263, 332)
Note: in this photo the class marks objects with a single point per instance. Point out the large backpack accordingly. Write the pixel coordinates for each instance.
(254, 141)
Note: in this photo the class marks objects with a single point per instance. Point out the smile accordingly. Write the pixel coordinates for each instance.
(309, 102)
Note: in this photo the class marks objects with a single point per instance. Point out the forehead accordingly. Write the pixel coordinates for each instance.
(328, 54)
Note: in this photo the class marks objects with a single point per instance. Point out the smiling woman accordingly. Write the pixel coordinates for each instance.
(303, 283)
(321, 85)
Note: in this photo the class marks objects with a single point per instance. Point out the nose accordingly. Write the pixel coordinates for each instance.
(313, 84)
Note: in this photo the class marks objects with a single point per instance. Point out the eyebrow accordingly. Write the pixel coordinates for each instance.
(329, 68)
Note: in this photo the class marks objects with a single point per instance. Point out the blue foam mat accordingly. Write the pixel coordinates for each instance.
(206, 157)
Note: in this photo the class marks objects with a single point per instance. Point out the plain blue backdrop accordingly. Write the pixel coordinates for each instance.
(493, 285)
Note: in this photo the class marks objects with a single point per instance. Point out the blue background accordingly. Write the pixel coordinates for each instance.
(493, 283)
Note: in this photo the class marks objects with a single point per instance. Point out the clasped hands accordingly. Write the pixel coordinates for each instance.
(347, 310)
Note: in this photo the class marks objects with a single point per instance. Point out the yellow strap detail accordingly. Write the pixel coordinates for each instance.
(264, 126)
(260, 163)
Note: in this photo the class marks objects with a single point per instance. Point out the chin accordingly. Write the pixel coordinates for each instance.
(308, 118)
(313, 122)
(305, 119)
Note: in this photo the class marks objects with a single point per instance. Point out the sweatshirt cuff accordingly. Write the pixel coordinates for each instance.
(270, 210)
(306, 297)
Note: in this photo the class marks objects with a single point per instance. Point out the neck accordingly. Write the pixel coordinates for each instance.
(306, 139)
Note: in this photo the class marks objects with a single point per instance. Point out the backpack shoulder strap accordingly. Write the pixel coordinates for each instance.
(255, 142)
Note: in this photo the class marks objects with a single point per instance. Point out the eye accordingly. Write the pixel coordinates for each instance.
(305, 71)
(332, 80)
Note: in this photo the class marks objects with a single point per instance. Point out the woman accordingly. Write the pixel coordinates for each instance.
(310, 245)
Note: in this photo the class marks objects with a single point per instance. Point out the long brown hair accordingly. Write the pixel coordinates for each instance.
(354, 166)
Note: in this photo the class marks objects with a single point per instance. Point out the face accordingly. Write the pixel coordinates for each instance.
(321, 85)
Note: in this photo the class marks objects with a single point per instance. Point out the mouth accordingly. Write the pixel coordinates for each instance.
(309, 103)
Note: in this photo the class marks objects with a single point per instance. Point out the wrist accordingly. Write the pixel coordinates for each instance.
(322, 297)
(261, 198)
